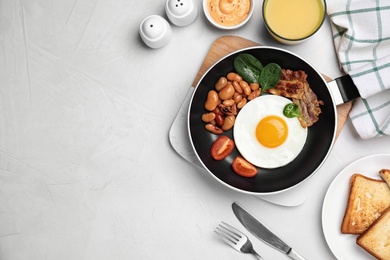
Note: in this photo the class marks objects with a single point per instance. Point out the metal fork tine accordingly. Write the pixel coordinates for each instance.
(235, 239)
(232, 230)
(225, 237)
(229, 234)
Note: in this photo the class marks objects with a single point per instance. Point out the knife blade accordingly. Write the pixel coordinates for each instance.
(263, 233)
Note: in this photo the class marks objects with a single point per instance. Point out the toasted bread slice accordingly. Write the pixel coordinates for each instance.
(368, 199)
(385, 174)
(376, 239)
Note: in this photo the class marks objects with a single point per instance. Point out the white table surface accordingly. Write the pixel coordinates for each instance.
(86, 167)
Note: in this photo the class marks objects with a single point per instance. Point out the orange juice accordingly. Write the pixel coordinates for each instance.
(293, 19)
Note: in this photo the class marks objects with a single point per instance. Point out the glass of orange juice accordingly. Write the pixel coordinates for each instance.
(293, 21)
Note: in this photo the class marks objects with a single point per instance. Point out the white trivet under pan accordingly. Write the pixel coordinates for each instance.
(180, 141)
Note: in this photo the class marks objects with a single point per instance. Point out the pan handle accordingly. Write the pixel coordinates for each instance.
(343, 89)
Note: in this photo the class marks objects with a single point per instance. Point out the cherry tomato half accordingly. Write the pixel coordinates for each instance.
(243, 167)
(221, 147)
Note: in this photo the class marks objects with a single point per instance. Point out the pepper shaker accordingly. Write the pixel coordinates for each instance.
(181, 12)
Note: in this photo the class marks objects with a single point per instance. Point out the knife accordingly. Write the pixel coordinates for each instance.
(263, 233)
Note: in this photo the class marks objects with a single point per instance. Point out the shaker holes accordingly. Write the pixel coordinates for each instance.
(178, 4)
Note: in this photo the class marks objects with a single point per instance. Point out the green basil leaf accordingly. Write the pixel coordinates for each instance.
(292, 110)
(270, 76)
(248, 67)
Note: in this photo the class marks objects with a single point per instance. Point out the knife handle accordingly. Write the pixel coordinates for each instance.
(294, 255)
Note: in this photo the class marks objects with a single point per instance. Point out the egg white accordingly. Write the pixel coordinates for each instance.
(244, 133)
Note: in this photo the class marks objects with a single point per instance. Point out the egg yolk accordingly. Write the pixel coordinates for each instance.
(271, 131)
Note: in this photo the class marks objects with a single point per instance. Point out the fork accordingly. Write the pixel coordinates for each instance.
(236, 239)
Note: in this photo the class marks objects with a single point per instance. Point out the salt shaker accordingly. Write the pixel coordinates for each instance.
(155, 31)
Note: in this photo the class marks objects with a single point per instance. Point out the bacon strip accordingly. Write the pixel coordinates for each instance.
(293, 84)
(310, 107)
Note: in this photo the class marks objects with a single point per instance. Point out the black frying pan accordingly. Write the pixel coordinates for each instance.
(319, 141)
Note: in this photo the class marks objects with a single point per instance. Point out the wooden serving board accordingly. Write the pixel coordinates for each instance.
(228, 44)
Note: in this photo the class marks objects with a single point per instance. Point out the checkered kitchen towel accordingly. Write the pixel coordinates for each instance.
(361, 34)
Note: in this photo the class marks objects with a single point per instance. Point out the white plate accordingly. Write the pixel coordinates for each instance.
(344, 246)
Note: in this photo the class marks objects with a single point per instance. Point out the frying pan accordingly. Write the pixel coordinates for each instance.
(319, 141)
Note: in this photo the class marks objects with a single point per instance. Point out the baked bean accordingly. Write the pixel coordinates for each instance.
(225, 110)
(229, 122)
(230, 95)
(208, 117)
(212, 100)
(254, 86)
(234, 110)
(254, 94)
(245, 87)
(221, 83)
(219, 120)
(227, 92)
(237, 97)
(213, 129)
(228, 102)
(232, 76)
(237, 87)
(241, 103)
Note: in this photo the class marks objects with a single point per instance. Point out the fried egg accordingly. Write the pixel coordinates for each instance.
(264, 136)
